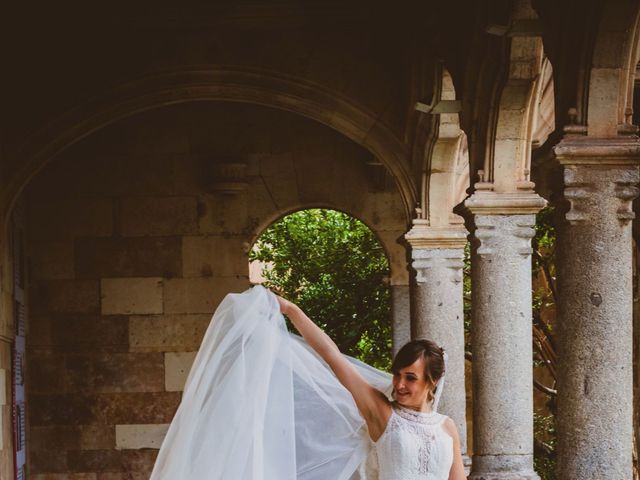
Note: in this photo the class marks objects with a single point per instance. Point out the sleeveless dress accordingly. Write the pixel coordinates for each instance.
(414, 446)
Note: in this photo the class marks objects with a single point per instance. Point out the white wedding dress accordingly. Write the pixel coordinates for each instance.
(260, 404)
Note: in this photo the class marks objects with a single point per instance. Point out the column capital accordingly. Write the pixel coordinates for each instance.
(424, 236)
(584, 150)
(487, 202)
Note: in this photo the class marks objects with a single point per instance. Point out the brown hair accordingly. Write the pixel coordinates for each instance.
(432, 354)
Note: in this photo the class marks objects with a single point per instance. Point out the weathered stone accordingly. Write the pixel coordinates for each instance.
(52, 259)
(140, 436)
(214, 256)
(58, 437)
(97, 437)
(61, 409)
(159, 216)
(65, 296)
(200, 295)
(401, 316)
(128, 257)
(53, 460)
(223, 214)
(131, 295)
(79, 333)
(595, 379)
(503, 397)
(139, 461)
(176, 369)
(279, 176)
(115, 372)
(94, 461)
(166, 333)
(136, 408)
(70, 217)
(65, 476)
(438, 315)
(47, 373)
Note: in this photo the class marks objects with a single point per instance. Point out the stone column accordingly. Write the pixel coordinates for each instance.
(595, 317)
(400, 315)
(502, 334)
(438, 315)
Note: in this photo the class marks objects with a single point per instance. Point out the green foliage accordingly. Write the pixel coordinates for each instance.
(545, 435)
(335, 269)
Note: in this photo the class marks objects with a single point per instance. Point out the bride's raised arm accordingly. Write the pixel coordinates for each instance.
(372, 404)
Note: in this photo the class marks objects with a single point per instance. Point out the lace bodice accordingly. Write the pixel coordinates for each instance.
(414, 446)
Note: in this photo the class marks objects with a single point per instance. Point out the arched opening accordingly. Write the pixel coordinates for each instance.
(133, 236)
(334, 267)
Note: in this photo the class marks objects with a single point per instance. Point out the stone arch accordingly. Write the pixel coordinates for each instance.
(447, 171)
(214, 83)
(507, 167)
(395, 252)
(615, 56)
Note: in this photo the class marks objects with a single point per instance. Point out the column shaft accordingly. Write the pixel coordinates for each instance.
(502, 347)
(401, 317)
(595, 319)
(438, 316)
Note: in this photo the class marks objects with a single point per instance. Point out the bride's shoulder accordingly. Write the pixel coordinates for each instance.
(449, 426)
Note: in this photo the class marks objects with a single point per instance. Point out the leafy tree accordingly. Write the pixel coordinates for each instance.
(335, 269)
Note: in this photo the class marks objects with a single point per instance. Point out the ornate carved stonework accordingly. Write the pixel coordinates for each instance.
(430, 259)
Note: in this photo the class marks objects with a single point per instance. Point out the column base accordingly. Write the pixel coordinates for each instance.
(466, 461)
(503, 467)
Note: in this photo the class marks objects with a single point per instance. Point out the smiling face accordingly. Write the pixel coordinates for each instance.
(410, 387)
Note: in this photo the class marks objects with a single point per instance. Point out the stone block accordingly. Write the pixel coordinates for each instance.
(280, 179)
(136, 408)
(159, 216)
(64, 476)
(382, 211)
(70, 217)
(139, 462)
(47, 373)
(200, 295)
(52, 460)
(97, 437)
(79, 333)
(65, 296)
(94, 461)
(223, 214)
(176, 369)
(115, 372)
(140, 436)
(131, 296)
(58, 437)
(207, 256)
(61, 409)
(51, 258)
(165, 333)
(128, 257)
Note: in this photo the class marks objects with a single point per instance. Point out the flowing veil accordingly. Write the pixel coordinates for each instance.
(260, 404)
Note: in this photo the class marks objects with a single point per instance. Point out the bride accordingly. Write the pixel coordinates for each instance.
(263, 404)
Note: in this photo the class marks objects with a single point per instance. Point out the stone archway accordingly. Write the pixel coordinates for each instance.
(214, 83)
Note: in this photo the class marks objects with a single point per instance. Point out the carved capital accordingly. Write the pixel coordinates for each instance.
(443, 263)
(596, 190)
(504, 234)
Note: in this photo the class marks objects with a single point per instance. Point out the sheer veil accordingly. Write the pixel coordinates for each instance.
(259, 404)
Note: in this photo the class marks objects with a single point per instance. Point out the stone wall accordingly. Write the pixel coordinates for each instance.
(132, 248)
